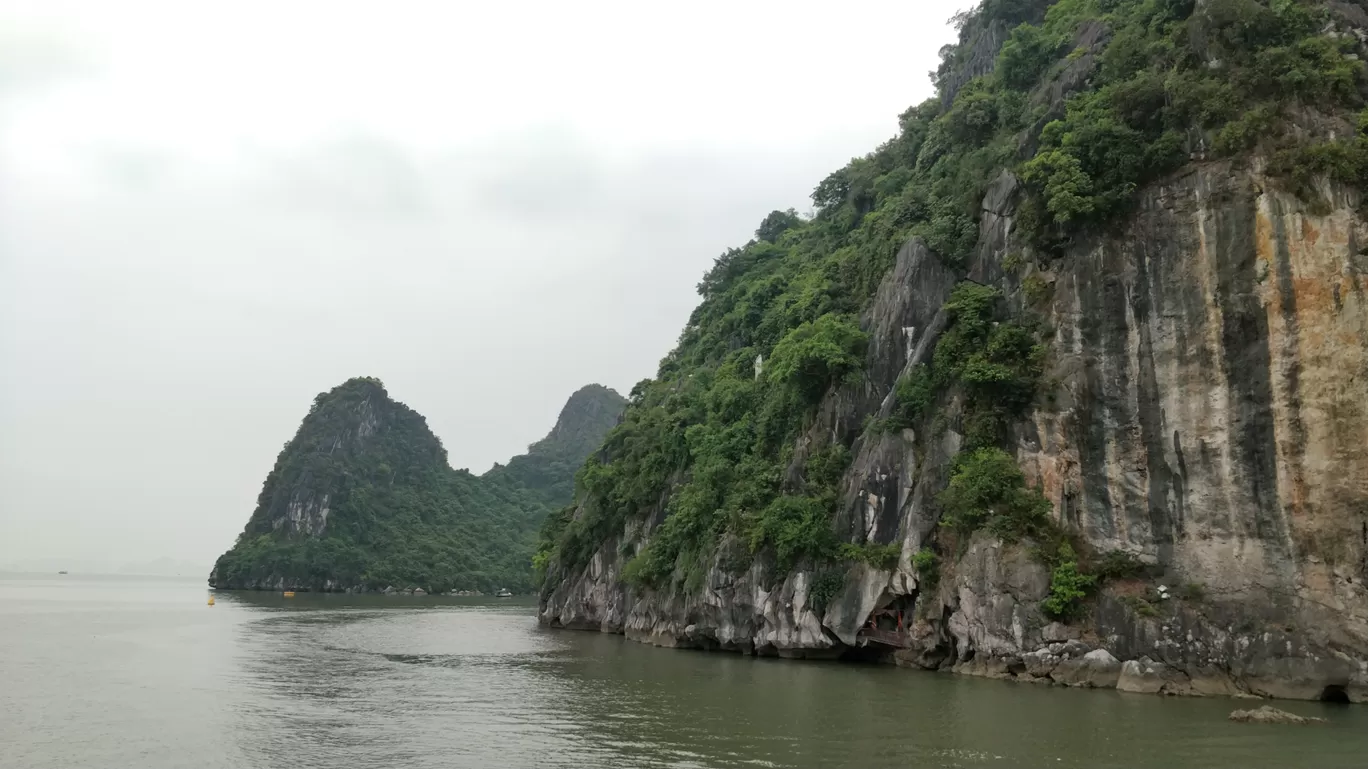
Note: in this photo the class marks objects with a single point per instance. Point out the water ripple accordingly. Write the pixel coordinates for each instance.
(160, 681)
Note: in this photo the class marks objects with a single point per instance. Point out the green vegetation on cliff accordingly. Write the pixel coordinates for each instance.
(1085, 101)
(995, 361)
(363, 496)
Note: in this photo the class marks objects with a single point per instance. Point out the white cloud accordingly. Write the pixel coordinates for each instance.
(210, 213)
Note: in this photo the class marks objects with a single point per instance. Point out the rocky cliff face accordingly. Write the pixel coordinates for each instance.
(1209, 413)
(1207, 409)
(1204, 408)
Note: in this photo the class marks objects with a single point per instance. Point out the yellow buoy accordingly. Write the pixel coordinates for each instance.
(211, 600)
(289, 594)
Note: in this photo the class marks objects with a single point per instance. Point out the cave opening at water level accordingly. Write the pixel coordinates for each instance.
(1334, 693)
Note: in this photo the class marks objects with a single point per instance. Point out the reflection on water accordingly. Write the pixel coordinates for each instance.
(101, 673)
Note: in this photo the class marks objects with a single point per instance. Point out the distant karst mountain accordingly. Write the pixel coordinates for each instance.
(548, 468)
(362, 498)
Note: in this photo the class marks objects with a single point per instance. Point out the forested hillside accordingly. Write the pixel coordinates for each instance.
(363, 498)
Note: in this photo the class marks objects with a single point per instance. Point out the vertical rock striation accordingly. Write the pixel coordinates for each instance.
(1210, 391)
(1204, 410)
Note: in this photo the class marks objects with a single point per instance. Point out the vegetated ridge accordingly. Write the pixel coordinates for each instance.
(362, 498)
(1064, 383)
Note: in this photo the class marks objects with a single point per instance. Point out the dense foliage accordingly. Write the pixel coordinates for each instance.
(1088, 100)
(995, 362)
(1068, 586)
(927, 565)
(988, 491)
(397, 514)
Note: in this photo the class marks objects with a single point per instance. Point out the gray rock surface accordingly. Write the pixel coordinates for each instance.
(1096, 669)
(1270, 715)
(1205, 411)
(1145, 676)
(1196, 354)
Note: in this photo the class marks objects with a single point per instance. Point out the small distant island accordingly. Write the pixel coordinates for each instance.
(362, 499)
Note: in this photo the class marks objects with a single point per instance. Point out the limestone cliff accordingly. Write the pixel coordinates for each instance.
(1211, 414)
(1203, 410)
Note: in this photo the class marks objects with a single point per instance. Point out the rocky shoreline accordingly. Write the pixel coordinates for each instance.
(1072, 662)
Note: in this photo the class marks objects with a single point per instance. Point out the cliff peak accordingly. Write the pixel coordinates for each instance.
(587, 415)
(547, 470)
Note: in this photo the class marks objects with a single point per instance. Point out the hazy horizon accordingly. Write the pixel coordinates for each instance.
(157, 567)
(210, 215)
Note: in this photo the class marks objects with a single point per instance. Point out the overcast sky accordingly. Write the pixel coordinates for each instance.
(209, 213)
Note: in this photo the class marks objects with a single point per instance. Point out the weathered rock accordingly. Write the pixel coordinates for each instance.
(1057, 632)
(1144, 676)
(1206, 414)
(925, 648)
(1271, 715)
(1040, 663)
(1097, 669)
(989, 666)
(998, 590)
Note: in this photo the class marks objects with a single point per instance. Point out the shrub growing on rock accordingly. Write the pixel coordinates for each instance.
(988, 491)
(1068, 586)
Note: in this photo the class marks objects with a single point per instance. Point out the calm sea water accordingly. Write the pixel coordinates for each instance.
(123, 672)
